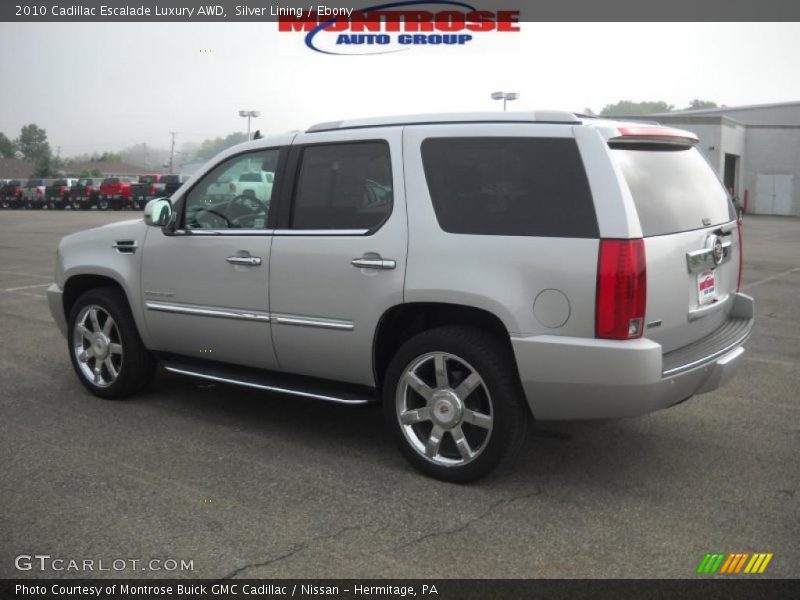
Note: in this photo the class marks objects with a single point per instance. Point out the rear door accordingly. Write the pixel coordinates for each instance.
(691, 239)
(338, 258)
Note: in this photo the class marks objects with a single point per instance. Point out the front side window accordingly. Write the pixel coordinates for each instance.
(523, 186)
(236, 194)
(343, 186)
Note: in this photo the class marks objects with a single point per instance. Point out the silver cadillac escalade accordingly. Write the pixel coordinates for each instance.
(470, 271)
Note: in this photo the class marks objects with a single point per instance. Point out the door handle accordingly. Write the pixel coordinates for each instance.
(247, 261)
(373, 262)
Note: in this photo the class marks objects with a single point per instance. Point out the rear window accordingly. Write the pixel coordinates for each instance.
(674, 190)
(509, 186)
(169, 179)
(60, 182)
(111, 181)
(147, 179)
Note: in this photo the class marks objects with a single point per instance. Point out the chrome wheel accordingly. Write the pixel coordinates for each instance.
(444, 409)
(97, 346)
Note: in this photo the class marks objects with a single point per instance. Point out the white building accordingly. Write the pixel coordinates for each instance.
(755, 149)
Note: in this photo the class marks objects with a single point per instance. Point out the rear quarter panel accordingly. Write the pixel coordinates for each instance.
(500, 274)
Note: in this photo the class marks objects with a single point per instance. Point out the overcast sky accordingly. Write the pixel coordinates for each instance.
(105, 86)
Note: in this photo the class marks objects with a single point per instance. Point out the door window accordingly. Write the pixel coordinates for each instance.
(236, 194)
(343, 186)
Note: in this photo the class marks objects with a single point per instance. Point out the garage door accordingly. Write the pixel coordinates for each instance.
(773, 194)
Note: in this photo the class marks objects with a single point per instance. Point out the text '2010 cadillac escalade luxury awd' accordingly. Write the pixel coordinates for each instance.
(469, 271)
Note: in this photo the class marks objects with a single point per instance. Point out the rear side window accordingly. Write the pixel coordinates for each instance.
(509, 186)
(343, 186)
(673, 189)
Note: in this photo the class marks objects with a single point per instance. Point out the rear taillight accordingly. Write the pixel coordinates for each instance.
(153, 189)
(741, 256)
(621, 289)
(39, 191)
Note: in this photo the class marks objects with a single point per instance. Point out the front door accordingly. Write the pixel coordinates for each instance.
(205, 287)
(339, 254)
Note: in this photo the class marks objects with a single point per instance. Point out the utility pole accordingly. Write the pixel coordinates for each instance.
(172, 150)
(144, 154)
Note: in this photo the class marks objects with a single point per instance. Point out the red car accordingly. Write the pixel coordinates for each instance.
(115, 192)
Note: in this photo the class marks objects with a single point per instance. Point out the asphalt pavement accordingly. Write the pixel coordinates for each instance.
(248, 484)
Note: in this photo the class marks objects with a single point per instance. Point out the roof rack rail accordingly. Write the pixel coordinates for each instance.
(539, 116)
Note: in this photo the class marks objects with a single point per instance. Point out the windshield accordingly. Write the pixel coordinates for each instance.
(674, 190)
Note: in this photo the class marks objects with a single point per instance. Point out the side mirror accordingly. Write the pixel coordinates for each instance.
(157, 212)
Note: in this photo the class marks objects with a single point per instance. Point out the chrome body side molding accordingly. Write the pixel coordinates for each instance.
(249, 315)
(206, 311)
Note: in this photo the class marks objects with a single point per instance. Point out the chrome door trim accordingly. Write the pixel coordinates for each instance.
(224, 232)
(337, 324)
(261, 386)
(374, 263)
(208, 311)
(321, 232)
(247, 261)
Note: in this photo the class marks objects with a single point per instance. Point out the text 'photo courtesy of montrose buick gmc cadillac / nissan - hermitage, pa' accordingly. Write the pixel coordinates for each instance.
(472, 272)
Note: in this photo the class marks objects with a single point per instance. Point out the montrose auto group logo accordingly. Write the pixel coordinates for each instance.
(394, 26)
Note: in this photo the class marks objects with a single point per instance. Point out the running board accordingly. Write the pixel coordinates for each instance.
(281, 383)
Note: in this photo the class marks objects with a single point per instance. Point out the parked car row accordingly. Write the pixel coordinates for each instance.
(109, 193)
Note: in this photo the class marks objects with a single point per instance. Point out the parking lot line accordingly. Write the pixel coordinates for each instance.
(771, 278)
(25, 274)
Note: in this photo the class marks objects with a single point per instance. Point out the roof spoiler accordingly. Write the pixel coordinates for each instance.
(651, 134)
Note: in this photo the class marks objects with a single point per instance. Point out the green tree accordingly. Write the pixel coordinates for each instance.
(33, 144)
(697, 103)
(7, 148)
(97, 172)
(110, 157)
(44, 166)
(629, 108)
(211, 147)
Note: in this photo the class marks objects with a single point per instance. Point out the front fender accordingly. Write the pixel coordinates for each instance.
(93, 252)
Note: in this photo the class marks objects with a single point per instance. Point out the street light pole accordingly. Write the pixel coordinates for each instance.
(505, 97)
(249, 114)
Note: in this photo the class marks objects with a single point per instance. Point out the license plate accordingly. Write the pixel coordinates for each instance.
(706, 287)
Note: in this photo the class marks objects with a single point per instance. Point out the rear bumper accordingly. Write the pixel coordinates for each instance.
(579, 378)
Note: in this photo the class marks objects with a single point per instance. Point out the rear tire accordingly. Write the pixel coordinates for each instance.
(104, 345)
(453, 402)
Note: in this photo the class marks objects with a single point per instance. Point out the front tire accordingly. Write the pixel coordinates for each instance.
(453, 403)
(104, 345)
